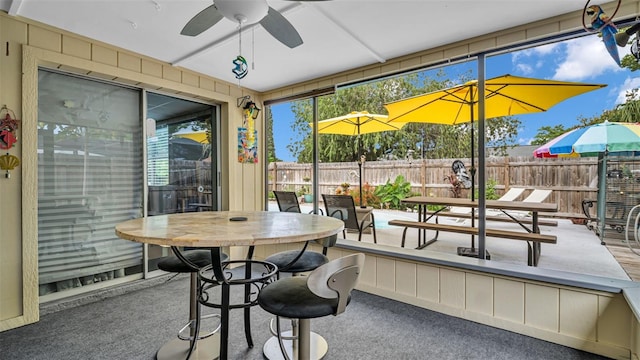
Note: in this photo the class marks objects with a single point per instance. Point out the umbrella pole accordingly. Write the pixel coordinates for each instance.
(360, 164)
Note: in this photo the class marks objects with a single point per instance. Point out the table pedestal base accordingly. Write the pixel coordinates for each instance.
(177, 349)
(271, 349)
(472, 252)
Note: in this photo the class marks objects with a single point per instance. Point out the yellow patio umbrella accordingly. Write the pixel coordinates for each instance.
(357, 123)
(197, 136)
(504, 95)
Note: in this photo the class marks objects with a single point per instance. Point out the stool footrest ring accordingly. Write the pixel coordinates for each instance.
(184, 333)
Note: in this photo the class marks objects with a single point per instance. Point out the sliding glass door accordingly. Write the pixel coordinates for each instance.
(90, 177)
(181, 159)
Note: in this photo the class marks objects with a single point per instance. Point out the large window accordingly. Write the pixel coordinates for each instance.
(90, 177)
(418, 159)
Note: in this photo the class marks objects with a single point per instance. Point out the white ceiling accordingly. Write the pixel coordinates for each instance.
(338, 35)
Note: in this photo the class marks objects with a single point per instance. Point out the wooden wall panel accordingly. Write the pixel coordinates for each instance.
(428, 283)
(541, 307)
(615, 321)
(386, 274)
(578, 314)
(406, 278)
(76, 47)
(509, 300)
(452, 288)
(479, 293)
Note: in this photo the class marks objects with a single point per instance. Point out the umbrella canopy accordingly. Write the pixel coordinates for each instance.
(198, 136)
(357, 123)
(594, 139)
(504, 95)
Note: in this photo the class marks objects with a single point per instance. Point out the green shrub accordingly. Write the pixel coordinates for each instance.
(391, 193)
(490, 191)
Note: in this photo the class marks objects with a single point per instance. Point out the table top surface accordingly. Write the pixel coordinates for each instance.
(490, 204)
(217, 228)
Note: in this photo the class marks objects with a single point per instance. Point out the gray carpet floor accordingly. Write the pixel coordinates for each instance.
(134, 325)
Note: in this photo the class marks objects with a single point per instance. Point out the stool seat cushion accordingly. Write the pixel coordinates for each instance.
(291, 298)
(201, 258)
(307, 262)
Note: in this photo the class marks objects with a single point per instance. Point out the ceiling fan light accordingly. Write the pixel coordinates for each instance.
(246, 12)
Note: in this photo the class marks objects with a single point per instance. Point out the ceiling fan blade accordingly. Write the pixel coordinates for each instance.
(280, 28)
(202, 21)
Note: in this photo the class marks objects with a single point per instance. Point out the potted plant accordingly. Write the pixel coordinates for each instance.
(305, 191)
(305, 194)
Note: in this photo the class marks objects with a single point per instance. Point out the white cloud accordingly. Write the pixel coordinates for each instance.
(523, 141)
(628, 84)
(546, 49)
(525, 69)
(541, 50)
(586, 57)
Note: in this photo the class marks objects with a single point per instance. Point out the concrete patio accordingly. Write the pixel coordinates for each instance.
(577, 250)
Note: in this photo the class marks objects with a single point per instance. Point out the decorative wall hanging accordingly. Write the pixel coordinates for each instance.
(247, 134)
(247, 149)
(8, 127)
(8, 162)
(601, 22)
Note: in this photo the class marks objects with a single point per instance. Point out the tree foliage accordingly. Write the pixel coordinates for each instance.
(413, 140)
(271, 149)
(547, 133)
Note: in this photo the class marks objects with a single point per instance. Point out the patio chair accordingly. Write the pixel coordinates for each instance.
(292, 261)
(344, 208)
(288, 202)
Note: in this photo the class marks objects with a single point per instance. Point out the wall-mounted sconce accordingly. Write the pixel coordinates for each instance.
(247, 104)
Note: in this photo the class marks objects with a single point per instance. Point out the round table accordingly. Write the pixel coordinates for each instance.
(218, 229)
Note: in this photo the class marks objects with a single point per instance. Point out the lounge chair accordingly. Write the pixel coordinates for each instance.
(520, 217)
(536, 196)
(460, 211)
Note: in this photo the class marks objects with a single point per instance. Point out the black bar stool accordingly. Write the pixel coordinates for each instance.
(326, 291)
(253, 274)
(296, 262)
(190, 261)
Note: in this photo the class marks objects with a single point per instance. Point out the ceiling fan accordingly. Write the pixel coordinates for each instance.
(245, 12)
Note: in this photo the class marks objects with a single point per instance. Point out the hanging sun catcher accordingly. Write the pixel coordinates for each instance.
(8, 128)
(240, 69)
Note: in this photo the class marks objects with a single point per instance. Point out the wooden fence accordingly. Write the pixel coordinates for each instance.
(571, 179)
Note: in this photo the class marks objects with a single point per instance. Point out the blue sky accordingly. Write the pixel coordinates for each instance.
(582, 59)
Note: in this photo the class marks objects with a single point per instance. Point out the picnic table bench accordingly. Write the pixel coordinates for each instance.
(532, 236)
(533, 239)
